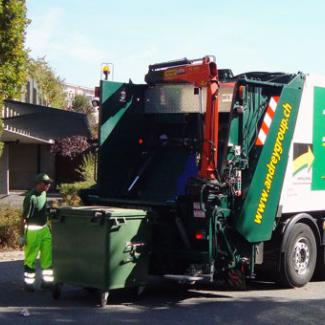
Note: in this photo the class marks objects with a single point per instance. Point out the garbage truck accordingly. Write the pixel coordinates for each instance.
(225, 175)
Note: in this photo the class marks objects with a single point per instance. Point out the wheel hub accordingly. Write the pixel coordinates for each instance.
(301, 256)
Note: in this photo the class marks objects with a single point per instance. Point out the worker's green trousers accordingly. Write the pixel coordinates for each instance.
(38, 240)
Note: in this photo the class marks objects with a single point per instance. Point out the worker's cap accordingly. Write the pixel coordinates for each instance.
(43, 178)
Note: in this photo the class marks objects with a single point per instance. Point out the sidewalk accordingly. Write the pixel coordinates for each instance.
(16, 198)
(8, 256)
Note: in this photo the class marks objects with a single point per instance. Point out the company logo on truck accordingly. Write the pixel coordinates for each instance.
(273, 162)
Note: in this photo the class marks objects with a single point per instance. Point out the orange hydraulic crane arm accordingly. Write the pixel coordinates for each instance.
(201, 73)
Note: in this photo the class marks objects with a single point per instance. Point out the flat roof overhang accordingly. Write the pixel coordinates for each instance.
(35, 122)
(19, 137)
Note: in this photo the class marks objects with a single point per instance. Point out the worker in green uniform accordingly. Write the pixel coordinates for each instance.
(36, 235)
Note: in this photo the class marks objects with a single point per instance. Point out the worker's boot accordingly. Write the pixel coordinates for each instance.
(46, 285)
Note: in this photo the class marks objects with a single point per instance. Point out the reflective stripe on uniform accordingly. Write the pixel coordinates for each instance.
(29, 281)
(47, 272)
(30, 210)
(29, 277)
(48, 275)
(48, 278)
(34, 227)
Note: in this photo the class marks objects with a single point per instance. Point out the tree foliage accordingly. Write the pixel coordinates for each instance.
(13, 55)
(81, 104)
(51, 85)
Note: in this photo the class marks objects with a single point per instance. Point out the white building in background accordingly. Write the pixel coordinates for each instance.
(73, 90)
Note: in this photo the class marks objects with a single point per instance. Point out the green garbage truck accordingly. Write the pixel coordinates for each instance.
(227, 173)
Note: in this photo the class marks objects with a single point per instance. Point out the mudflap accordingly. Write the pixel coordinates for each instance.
(236, 277)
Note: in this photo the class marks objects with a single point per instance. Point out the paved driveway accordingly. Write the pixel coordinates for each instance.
(16, 198)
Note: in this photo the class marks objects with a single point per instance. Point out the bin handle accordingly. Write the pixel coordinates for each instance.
(116, 223)
(120, 220)
(98, 217)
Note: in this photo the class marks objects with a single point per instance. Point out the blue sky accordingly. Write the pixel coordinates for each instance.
(76, 36)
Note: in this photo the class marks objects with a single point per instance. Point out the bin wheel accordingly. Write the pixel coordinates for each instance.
(140, 290)
(57, 290)
(137, 292)
(103, 298)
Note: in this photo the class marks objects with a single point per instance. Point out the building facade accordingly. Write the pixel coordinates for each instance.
(73, 90)
(29, 131)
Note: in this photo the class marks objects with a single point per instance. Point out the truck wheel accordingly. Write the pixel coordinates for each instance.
(299, 257)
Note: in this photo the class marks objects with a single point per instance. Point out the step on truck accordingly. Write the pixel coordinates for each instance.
(229, 169)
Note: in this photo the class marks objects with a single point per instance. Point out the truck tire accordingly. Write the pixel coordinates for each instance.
(299, 256)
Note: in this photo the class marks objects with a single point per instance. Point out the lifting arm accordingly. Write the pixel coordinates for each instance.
(201, 73)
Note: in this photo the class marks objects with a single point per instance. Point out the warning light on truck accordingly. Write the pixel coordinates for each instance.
(106, 71)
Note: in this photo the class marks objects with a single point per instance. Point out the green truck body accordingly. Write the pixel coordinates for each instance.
(264, 209)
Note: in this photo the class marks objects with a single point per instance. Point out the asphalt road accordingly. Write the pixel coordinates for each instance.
(162, 303)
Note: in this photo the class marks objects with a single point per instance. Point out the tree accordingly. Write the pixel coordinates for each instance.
(50, 84)
(13, 55)
(81, 104)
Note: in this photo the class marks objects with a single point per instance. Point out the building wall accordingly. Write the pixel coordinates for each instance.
(27, 160)
(19, 156)
(4, 171)
(47, 164)
(23, 165)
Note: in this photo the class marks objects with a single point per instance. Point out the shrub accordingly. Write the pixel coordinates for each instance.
(69, 191)
(10, 221)
(70, 147)
(87, 168)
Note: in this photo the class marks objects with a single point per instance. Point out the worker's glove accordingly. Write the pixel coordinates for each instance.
(21, 241)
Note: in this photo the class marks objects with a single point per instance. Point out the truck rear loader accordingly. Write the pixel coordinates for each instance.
(230, 171)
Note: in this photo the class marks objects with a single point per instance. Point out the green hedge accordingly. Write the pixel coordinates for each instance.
(10, 219)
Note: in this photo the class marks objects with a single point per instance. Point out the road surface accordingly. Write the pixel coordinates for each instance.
(162, 303)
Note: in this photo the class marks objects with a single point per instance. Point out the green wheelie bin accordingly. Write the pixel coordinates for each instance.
(100, 247)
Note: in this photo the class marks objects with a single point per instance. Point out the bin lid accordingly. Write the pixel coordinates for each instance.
(108, 210)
